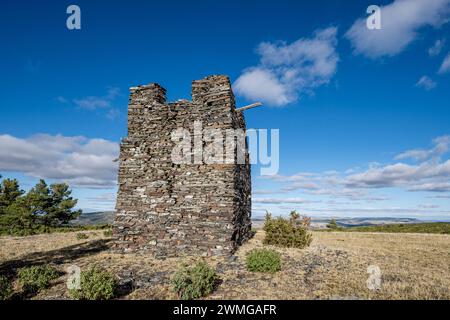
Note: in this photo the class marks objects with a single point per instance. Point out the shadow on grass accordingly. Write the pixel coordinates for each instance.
(57, 256)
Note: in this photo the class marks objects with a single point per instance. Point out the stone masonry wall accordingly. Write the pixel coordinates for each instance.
(168, 209)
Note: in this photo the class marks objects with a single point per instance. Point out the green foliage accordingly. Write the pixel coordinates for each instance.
(9, 192)
(291, 232)
(434, 227)
(263, 260)
(36, 278)
(5, 288)
(194, 282)
(41, 209)
(52, 206)
(107, 233)
(95, 284)
(333, 225)
(82, 236)
(44, 229)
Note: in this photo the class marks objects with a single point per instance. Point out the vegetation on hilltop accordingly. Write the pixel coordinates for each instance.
(431, 227)
(39, 210)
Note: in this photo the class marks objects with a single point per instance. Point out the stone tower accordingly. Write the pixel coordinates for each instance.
(168, 209)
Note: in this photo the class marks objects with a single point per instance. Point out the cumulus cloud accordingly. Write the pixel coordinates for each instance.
(104, 104)
(432, 186)
(429, 172)
(78, 161)
(445, 66)
(288, 70)
(401, 22)
(441, 145)
(326, 184)
(436, 48)
(426, 83)
(414, 177)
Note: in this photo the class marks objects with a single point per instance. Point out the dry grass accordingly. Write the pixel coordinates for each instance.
(413, 266)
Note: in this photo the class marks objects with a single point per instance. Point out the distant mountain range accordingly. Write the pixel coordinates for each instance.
(107, 217)
(93, 218)
(321, 223)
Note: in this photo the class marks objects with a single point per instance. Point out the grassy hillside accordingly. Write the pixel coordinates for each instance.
(436, 228)
(335, 266)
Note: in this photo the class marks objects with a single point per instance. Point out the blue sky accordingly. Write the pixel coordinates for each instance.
(363, 115)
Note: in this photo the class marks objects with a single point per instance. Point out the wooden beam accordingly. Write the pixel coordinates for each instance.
(254, 105)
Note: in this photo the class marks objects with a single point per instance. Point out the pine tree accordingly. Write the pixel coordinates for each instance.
(9, 192)
(41, 208)
(52, 206)
(62, 204)
(333, 225)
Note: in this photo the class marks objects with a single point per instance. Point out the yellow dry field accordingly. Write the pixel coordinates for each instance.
(335, 266)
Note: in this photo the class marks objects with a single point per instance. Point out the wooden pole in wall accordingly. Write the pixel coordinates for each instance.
(254, 105)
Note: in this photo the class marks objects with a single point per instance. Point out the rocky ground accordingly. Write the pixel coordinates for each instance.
(413, 266)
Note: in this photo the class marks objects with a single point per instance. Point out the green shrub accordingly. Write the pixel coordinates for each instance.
(82, 236)
(194, 282)
(292, 233)
(5, 288)
(36, 278)
(95, 284)
(333, 225)
(107, 233)
(263, 260)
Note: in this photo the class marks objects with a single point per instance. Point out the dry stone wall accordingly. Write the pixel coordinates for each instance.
(168, 209)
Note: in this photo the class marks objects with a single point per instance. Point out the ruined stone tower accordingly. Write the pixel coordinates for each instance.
(168, 209)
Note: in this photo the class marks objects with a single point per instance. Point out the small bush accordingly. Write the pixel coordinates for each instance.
(107, 233)
(95, 284)
(82, 236)
(333, 225)
(292, 233)
(263, 260)
(36, 278)
(194, 282)
(5, 288)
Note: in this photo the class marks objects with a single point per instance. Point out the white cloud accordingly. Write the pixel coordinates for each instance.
(96, 102)
(103, 104)
(281, 200)
(440, 196)
(432, 186)
(104, 198)
(92, 103)
(61, 99)
(426, 83)
(401, 22)
(445, 66)
(286, 71)
(326, 184)
(436, 48)
(426, 176)
(430, 174)
(262, 84)
(302, 185)
(428, 206)
(441, 145)
(78, 161)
